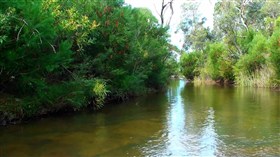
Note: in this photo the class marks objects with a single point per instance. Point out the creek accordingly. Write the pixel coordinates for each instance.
(186, 120)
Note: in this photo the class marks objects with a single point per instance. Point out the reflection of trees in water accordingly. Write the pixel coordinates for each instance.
(200, 123)
(243, 116)
(175, 123)
(217, 121)
(186, 132)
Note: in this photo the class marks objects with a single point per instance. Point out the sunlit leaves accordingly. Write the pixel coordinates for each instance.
(73, 20)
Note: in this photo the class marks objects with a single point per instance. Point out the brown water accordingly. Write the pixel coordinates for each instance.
(184, 121)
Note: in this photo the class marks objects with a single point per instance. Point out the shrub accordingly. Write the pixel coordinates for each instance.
(274, 49)
(254, 59)
(189, 63)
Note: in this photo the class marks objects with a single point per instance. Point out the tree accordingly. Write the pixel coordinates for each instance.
(189, 64)
(244, 44)
(164, 7)
(196, 35)
(57, 54)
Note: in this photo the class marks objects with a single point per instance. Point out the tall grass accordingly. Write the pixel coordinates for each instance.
(203, 81)
(262, 77)
(203, 78)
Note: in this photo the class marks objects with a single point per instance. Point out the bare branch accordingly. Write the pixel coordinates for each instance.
(164, 7)
(156, 10)
(172, 12)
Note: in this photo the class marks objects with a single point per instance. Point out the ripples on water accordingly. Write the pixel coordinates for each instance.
(178, 138)
(193, 132)
(185, 121)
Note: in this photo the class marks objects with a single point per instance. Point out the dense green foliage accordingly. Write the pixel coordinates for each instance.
(189, 63)
(243, 47)
(57, 54)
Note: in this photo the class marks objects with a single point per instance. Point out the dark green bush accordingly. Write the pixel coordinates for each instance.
(78, 53)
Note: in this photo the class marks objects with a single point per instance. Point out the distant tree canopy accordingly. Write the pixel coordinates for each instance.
(243, 46)
(57, 53)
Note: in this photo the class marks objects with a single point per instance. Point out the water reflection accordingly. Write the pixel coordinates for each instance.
(237, 121)
(175, 123)
(168, 141)
(185, 133)
(184, 137)
(217, 121)
(184, 121)
(208, 141)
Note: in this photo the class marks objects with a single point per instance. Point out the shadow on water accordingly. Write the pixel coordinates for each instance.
(185, 121)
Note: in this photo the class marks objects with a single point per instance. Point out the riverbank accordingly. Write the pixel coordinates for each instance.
(249, 82)
(65, 57)
(11, 111)
(186, 120)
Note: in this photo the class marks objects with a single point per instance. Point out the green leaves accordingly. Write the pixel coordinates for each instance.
(57, 53)
(189, 62)
(274, 49)
(243, 46)
(255, 58)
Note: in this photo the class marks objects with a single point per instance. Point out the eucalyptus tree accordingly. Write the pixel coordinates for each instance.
(244, 48)
(165, 6)
(192, 24)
